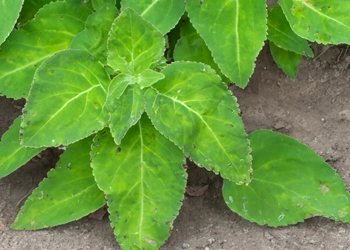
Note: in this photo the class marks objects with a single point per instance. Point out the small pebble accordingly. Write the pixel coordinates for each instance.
(268, 236)
(211, 241)
(186, 246)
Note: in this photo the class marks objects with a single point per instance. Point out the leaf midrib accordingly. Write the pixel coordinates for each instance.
(206, 124)
(324, 15)
(58, 111)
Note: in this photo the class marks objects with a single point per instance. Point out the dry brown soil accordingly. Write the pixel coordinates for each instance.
(315, 109)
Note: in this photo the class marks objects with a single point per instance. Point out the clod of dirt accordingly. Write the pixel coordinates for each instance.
(344, 115)
(196, 191)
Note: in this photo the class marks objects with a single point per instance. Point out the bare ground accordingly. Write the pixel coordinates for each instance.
(315, 109)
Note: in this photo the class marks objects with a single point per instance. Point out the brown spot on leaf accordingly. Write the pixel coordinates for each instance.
(324, 189)
(152, 242)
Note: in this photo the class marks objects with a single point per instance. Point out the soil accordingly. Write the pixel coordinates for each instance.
(315, 109)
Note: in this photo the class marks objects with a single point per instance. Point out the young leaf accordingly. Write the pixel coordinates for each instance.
(134, 44)
(125, 111)
(9, 12)
(52, 30)
(234, 31)
(67, 100)
(290, 183)
(163, 14)
(69, 193)
(288, 61)
(191, 47)
(148, 77)
(280, 33)
(93, 39)
(325, 21)
(144, 183)
(98, 4)
(12, 154)
(195, 110)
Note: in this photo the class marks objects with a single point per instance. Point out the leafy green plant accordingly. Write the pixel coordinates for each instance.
(130, 88)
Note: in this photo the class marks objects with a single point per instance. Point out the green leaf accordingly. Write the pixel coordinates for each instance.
(30, 8)
(125, 111)
(134, 44)
(144, 183)
(234, 31)
(191, 47)
(52, 30)
(280, 33)
(288, 61)
(290, 183)
(69, 193)
(163, 14)
(117, 87)
(98, 4)
(67, 100)
(148, 77)
(195, 110)
(323, 21)
(12, 154)
(94, 38)
(9, 12)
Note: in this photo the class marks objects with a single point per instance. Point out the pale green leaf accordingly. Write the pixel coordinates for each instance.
(9, 12)
(195, 110)
(69, 193)
(234, 30)
(117, 87)
(67, 100)
(98, 4)
(12, 154)
(144, 183)
(30, 8)
(288, 61)
(149, 77)
(52, 30)
(191, 47)
(134, 44)
(94, 38)
(280, 33)
(323, 21)
(290, 183)
(125, 111)
(163, 14)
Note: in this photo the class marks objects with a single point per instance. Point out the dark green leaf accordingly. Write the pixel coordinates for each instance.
(67, 100)
(94, 38)
(234, 31)
(12, 154)
(288, 61)
(280, 33)
(191, 47)
(144, 183)
(30, 8)
(195, 110)
(290, 183)
(69, 193)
